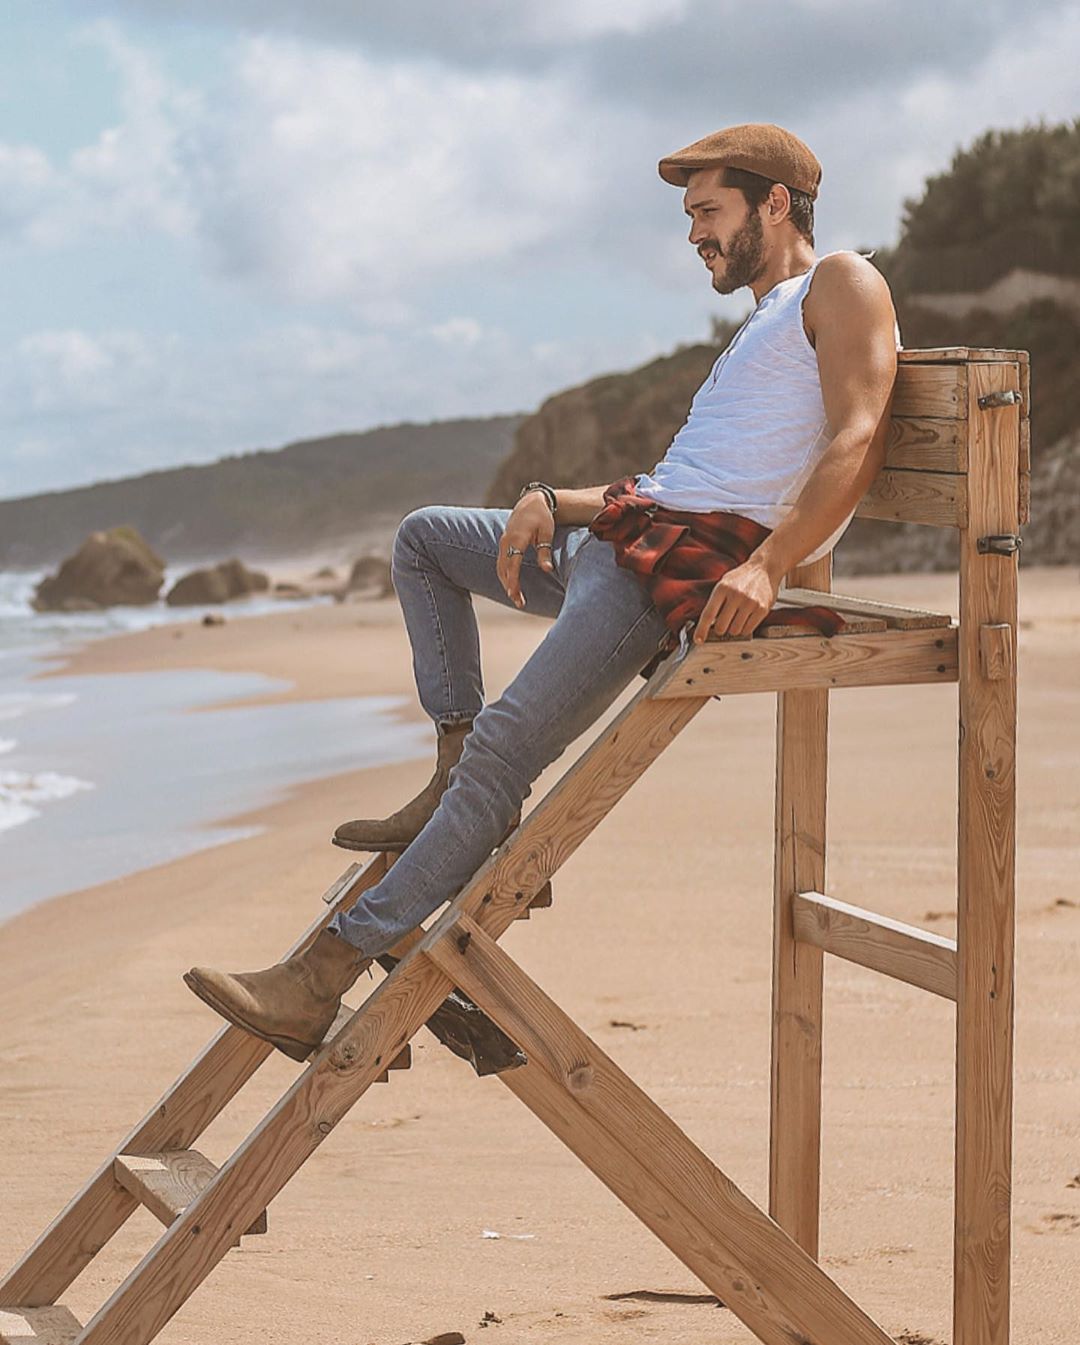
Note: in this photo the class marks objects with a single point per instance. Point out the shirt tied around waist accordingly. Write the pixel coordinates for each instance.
(679, 555)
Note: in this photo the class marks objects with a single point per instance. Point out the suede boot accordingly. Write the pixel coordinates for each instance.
(401, 828)
(292, 1004)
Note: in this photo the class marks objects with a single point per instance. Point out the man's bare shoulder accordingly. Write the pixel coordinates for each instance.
(846, 284)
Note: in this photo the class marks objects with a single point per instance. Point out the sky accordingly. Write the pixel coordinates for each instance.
(228, 224)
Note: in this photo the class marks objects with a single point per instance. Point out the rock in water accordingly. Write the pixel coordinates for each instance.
(115, 568)
(218, 584)
(370, 577)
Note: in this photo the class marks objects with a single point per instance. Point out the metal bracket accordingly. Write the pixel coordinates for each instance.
(999, 544)
(1008, 398)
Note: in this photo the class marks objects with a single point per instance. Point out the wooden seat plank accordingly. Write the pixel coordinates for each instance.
(892, 615)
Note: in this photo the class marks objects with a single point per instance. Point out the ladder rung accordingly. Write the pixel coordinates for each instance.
(905, 952)
(166, 1183)
(53, 1325)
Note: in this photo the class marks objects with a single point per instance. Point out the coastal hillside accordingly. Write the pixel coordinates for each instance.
(976, 264)
(291, 500)
(606, 427)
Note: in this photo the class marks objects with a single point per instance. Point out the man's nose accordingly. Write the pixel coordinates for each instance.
(697, 233)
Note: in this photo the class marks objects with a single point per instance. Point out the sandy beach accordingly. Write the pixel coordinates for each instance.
(660, 950)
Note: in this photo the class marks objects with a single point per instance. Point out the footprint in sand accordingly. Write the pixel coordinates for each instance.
(1057, 1222)
(663, 1296)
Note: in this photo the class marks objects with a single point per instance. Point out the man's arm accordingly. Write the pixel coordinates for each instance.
(579, 506)
(531, 522)
(850, 312)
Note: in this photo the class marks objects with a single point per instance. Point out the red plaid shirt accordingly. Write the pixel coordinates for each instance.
(678, 555)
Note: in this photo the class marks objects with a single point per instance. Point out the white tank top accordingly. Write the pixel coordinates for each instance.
(757, 425)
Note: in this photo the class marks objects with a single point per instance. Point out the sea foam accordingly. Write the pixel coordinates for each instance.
(20, 792)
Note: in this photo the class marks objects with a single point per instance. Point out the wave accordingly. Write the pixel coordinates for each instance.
(14, 704)
(20, 792)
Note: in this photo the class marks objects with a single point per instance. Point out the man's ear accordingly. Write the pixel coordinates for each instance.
(779, 201)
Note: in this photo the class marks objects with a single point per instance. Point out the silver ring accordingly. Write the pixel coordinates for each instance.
(513, 551)
(540, 544)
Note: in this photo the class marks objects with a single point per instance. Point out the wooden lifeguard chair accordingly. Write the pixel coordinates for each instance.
(958, 457)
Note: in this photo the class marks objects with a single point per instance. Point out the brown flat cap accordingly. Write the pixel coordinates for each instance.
(758, 147)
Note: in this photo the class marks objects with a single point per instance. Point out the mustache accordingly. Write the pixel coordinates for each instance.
(709, 245)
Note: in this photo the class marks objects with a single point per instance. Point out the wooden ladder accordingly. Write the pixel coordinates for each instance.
(956, 458)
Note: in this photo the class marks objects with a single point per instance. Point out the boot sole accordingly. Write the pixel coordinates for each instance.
(296, 1050)
(393, 847)
(370, 848)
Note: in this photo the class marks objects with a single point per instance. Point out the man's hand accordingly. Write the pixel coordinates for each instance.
(738, 602)
(530, 522)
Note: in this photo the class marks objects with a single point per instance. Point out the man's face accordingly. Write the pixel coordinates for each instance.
(726, 232)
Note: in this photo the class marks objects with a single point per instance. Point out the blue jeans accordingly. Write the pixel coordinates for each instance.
(606, 629)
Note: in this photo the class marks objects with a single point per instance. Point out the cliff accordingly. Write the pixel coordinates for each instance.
(604, 428)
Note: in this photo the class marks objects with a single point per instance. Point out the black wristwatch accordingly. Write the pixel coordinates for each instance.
(549, 494)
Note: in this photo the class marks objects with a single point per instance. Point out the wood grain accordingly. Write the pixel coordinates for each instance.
(894, 616)
(986, 881)
(960, 355)
(997, 650)
(166, 1183)
(902, 951)
(935, 390)
(802, 756)
(926, 444)
(885, 658)
(38, 1326)
(935, 499)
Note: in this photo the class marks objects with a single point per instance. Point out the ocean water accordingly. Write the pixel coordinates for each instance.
(105, 775)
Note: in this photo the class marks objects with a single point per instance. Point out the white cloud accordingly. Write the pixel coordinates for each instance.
(72, 371)
(88, 406)
(333, 177)
(125, 181)
(572, 20)
(458, 331)
(401, 222)
(27, 185)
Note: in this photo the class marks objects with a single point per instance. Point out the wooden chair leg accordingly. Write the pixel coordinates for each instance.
(986, 863)
(802, 724)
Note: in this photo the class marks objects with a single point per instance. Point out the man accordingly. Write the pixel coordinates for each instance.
(787, 433)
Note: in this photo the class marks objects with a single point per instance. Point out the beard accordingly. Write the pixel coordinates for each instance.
(744, 258)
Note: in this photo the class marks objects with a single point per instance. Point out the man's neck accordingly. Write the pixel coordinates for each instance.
(795, 260)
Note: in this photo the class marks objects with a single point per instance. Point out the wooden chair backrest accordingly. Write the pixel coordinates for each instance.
(923, 480)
